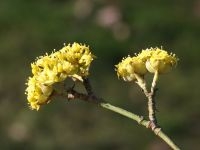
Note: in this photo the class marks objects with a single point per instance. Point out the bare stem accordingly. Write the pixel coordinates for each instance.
(72, 94)
(141, 121)
(152, 103)
(150, 96)
(142, 83)
(90, 97)
(155, 79)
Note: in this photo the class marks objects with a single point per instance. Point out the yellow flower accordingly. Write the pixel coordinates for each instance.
(160, 61)
(139, 66)
(129, 67)
(71, 61)
(37, 94)
(153, 60)
(145, 55)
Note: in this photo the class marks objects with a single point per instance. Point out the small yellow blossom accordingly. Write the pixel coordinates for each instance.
(145, 55)
(160, 61)
(153, 60)
(129, 67)
(139, 66)
(37, 94)
(71, 61)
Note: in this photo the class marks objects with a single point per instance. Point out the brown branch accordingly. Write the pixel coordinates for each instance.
(73, 94)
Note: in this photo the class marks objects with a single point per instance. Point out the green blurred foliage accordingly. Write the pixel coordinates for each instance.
(113, 29)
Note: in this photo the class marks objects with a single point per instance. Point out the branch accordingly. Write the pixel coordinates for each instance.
(72, 94)
(152, 102)
(152, 123)
(141, 121)
(151, 98)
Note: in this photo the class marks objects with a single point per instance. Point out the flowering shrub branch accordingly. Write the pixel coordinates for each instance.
(73, 61)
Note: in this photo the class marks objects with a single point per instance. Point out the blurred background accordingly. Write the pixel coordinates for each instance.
(113, 29)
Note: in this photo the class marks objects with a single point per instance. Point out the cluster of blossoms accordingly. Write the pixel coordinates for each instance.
(150, 60)
(71, 61)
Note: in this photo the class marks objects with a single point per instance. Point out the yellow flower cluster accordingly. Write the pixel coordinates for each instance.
(71, 61)
(152, 60)
(129, 67)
